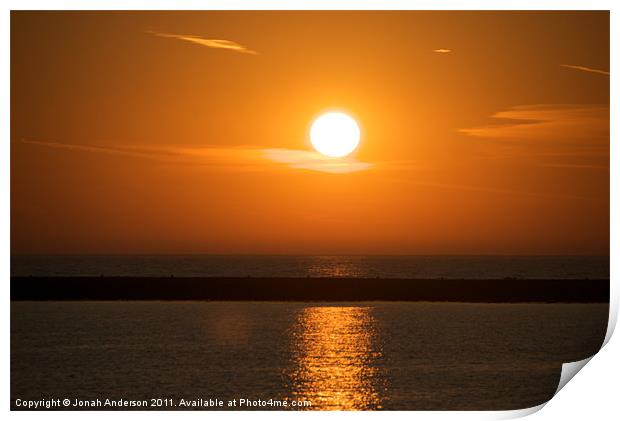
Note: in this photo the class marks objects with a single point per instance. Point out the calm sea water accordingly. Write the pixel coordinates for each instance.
(428, 267)
(338, 356)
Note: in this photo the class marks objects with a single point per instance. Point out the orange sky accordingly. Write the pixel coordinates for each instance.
(187, 132)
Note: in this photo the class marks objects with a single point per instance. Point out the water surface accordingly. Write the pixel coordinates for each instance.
(375, 355)
(405, 267)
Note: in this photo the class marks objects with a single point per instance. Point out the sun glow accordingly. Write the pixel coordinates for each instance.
(335, 134)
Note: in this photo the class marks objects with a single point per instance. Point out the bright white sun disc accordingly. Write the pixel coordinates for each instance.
(335, 134)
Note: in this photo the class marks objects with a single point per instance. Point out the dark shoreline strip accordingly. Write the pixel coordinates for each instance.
(308, 289)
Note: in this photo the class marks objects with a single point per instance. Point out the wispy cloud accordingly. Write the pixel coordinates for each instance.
(585, 69)
(547, 121)
(211, 43)
(561, 136)
(578, 166)
(442, 50)
(136, 153)
(314, 161)
(237, 158)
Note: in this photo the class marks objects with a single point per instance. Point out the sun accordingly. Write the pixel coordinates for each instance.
(335, 134)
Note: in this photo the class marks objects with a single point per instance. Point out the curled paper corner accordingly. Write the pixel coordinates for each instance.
(569, 370)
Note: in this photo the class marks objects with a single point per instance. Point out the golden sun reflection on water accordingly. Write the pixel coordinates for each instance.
(335, 354)
(330, 266)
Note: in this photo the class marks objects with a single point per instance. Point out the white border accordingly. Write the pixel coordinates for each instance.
(596, 386)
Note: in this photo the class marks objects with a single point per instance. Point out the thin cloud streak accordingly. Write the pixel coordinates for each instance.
(314, 161)
(239, 158)
(561, 122)
(585, 69)
(211, 43)
(560, 136)
(442, 50)
(94, 149)
(578, 167)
